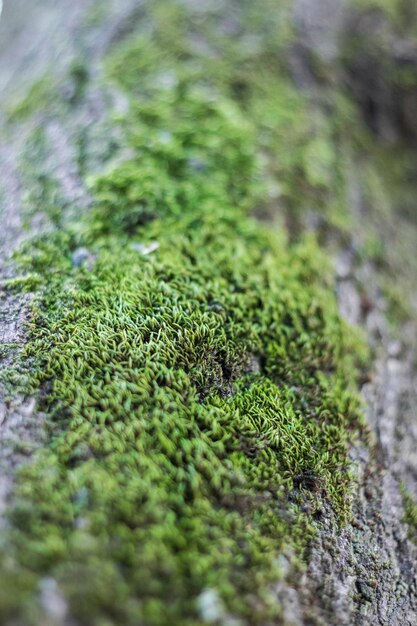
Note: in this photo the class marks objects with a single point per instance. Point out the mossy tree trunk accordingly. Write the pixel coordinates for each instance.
(338, 164)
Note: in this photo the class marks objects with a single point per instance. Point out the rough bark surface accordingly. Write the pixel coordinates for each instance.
(362, 574)
(366, 574)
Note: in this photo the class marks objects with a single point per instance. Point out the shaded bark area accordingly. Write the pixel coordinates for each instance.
(366, 572)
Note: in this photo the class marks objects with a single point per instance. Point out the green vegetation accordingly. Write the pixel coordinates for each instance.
(49, 94)
(34, 101)
(410, 516)
(198, 383)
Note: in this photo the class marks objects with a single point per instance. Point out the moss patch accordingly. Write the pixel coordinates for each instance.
(34, 101)
(198, 382)
(410, 513)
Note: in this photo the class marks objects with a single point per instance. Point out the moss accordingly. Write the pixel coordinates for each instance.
(43, 196)
(173, 456)
(34, 101)
(6, 348)
(200, 392)
(30, 282)
(301, 168)
(96, 14)
(410, 513)
(50, 94)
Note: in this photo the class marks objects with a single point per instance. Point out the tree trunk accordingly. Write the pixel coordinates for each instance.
(365, 571)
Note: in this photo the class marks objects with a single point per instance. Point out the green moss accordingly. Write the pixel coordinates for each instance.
(172, 456)
(30, 282)
(410, 514)
(96, 13)
(300, 167)
(37, 98)
(48, 93)
(198, 383)
(43, 196)
(6, 348)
